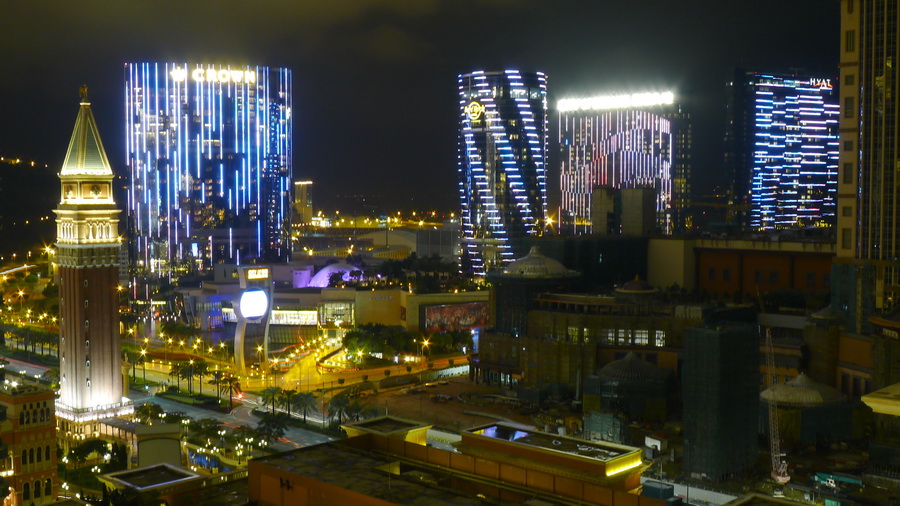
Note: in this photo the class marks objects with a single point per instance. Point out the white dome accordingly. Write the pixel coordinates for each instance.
(536, 265)
(801, 391)
(320, 280)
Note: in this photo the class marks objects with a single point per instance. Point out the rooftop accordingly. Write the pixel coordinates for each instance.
(153, 476)
(885, 401)
(536, 265)
(386, 425)
(368, 473)
(603, 452)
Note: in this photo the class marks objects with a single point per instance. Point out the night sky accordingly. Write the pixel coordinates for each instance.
(375, 80)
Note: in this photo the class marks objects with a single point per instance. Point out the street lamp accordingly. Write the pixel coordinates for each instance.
(144, 363)
(259, 363)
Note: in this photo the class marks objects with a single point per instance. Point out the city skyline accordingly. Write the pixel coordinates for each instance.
(375, 74)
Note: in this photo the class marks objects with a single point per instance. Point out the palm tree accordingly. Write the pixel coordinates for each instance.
(337, 407)
(273, 426)
(187, 373)
(148, 412)
(217, 375)
(354, 410)
(270, 396)
(176, 370)
(206, 429)
(304, 402)
(201, 367)
(233, 386)
(284, 399)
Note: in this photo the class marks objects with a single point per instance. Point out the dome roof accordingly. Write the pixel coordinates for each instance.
(536, 265)
(320, 280)
(803, 392)
(636, 285)
(633, 368)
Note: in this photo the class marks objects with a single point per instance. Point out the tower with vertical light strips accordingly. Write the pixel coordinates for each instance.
(502, 163)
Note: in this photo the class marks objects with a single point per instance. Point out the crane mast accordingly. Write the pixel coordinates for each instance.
(779, 466)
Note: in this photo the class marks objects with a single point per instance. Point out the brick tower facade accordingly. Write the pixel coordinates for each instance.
(91, 382)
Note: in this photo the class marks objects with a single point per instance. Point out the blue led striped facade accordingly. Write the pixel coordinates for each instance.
(793, 178)
(502, 163)
(209, 162)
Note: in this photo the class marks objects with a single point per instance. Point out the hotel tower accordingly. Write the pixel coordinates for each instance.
(502, 164)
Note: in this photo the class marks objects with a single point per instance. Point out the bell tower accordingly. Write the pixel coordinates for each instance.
(91, 385)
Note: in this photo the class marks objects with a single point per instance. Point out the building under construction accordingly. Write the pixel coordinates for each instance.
(720, 392)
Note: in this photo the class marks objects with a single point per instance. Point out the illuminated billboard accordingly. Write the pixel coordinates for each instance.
(450, 317)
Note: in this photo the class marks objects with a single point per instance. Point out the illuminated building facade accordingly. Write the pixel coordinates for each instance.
(303, 203)
(209, 160)
(28, 472)
(623, 141)
(502, 163)
(782, 150)
(87, 218)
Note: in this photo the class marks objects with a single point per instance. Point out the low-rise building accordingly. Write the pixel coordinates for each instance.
(28, 432)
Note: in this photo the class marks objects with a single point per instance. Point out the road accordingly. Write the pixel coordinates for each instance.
(33, 370)
(240, 415)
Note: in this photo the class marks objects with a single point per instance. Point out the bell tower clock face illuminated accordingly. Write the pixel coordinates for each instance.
(87, 222)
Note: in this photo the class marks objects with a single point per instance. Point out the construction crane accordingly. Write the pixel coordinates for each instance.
(779, 465)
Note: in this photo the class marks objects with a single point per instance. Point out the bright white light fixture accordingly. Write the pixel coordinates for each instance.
(253, 303)
(605, 102)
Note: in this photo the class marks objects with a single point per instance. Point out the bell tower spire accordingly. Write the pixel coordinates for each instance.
(87, 218)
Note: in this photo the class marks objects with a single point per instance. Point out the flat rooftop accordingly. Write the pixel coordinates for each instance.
(386, 425)
(369, 473)
(153, 476)
(885, 401)
(603, 452)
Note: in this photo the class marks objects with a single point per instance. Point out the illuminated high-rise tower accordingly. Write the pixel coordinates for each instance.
(502, 163)
(866, 274)
(639, 140)
(90, 380)
(782, 150)
(209, 162)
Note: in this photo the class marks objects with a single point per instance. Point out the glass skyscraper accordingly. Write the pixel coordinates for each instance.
(502, 163)
(209, 164)
(782, 149)
(621, 141)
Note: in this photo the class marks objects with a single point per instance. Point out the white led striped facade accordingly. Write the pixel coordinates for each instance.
(614, 147)
(795, 152)
(502, 163)
(209, 161)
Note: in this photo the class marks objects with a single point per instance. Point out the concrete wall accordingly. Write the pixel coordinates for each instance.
(671, 261)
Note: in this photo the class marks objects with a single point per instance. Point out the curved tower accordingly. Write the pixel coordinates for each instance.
(502, 166)
(91, 383)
